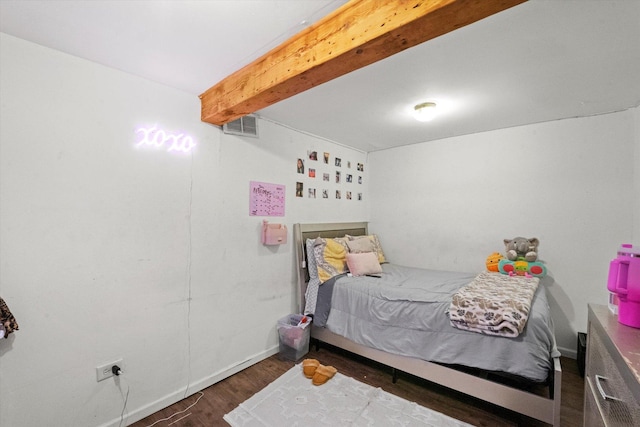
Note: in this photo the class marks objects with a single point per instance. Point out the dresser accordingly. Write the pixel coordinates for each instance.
(612, 374)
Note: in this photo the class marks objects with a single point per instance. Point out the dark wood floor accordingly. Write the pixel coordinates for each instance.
(224, 396)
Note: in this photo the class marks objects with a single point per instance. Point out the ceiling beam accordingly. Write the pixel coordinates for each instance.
(355, 35)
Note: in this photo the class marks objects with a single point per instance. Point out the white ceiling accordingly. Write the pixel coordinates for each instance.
(539, 61)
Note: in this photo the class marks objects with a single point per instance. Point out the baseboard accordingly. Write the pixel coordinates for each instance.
(571, 353)
(176, 396)
(226, 373)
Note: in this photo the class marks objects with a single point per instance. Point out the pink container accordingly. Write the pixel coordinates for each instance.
(624, 280)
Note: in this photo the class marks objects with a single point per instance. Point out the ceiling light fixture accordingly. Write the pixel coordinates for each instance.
(425, 112)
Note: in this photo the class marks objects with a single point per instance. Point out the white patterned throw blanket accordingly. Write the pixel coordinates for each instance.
(494, 304)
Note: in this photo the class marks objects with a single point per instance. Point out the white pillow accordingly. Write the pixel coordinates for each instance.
(363, 263)
(357, 246)
(377, 247)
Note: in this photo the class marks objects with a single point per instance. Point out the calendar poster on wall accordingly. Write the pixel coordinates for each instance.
(266, 199)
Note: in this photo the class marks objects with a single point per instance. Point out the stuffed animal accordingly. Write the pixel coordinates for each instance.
(520, 247)
(493, 260)
(522, 268)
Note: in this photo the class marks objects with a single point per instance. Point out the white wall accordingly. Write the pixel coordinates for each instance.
(569, 183)
(108, 251)
(111, 252)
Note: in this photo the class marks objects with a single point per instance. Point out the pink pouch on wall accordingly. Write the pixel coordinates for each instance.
(273, 234)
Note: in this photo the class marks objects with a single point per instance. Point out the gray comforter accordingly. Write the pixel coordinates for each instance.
(405, 312)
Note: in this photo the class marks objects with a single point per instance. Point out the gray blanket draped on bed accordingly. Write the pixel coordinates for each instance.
(405, 312)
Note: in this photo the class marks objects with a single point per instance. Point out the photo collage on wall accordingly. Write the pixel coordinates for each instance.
(329, 177)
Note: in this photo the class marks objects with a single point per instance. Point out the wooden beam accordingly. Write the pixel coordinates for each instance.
(357, 34)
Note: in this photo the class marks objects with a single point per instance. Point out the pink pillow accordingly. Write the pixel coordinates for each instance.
(363, 263)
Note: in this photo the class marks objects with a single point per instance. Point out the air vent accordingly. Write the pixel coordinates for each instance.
(244, 126)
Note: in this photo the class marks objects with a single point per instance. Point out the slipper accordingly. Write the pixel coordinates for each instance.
(323, 374)
(309, 367)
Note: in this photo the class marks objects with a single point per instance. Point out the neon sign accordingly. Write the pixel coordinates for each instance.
(158, 138)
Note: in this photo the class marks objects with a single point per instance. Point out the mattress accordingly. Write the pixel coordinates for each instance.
(404, 312)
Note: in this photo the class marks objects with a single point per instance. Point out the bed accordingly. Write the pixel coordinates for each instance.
(436, 352)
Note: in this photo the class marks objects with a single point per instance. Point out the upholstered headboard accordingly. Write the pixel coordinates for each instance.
(302, 232)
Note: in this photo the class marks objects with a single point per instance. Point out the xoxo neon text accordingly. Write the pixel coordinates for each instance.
(160, 139)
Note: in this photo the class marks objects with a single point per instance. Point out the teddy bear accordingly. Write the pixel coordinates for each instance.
(522, 248)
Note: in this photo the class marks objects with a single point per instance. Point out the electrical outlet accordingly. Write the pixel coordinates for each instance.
(104, 371)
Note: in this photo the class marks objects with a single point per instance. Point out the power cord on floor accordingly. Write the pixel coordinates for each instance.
(188, 314)
(189, 261)
(188, 318)
(180, 412)
(115, 369)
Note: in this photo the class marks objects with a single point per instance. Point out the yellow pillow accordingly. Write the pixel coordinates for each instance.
(331, 257)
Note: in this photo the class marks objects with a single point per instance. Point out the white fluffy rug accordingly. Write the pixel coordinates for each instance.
(292, 400)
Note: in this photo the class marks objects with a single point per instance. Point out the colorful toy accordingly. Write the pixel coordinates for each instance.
(521, 267)
(493, 260)
(522, 248)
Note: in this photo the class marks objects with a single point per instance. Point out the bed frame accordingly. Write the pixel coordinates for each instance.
(546, 409)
